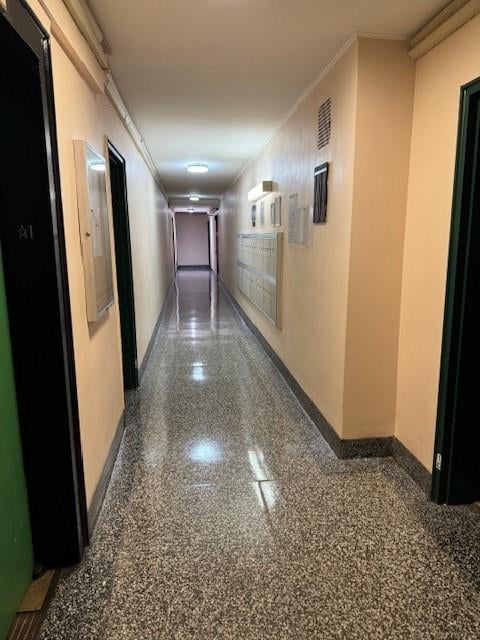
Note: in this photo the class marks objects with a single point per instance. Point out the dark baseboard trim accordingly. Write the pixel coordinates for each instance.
(358, 448)
(102, 486)
(194, 267)
(148, 352)
(99, 495)
(412, 466)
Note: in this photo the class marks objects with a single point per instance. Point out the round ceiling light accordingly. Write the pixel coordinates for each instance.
(194, 198)
(197, 168)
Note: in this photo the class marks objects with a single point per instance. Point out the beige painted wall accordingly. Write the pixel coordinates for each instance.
(84, 114)
(382, 151)
(439, 76)
(314, 304)
(341, 296)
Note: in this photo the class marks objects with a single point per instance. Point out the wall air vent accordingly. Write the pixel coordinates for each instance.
(324, 124)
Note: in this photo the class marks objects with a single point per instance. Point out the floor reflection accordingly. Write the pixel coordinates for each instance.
(229, 517)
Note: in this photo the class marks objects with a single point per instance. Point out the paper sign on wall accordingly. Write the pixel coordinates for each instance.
(299, 222)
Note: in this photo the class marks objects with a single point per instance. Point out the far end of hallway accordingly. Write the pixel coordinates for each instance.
(228, 516)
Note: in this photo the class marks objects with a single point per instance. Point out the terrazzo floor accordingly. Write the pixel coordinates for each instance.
(228, 516)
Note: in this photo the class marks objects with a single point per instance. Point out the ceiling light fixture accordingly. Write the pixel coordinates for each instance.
(191, 210)
(197, 168)
(194, 198)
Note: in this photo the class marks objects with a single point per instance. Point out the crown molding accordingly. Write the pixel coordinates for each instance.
(90, 30)
(88, 27)
(311, 87)
(452, 18)
(383, 36)
(113, 94)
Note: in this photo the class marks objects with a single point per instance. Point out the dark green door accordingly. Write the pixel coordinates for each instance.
(16, 559)
(456, 471)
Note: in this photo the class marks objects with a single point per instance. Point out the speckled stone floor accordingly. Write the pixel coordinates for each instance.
(228, 516)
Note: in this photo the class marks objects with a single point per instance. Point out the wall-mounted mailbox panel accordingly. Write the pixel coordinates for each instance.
(259, 270)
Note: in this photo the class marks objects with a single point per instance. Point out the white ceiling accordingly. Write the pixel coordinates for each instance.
(209, 80)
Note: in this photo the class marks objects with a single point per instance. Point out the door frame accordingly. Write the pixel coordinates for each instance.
(446, 434)
(216, 244)
(124, 269)
(73, 517)
(209, 242)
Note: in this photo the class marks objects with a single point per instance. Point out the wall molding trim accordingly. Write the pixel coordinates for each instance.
(113, 94)
(101, 82)
(311, 87)
(387, 447)
(383, 36)
(412, 466)
(102, 486)
(75, 59)
(88, 27)
(452, 18)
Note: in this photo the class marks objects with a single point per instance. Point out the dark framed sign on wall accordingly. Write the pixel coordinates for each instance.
(321, 194)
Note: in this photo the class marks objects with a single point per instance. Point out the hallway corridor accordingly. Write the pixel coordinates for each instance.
(228, 516)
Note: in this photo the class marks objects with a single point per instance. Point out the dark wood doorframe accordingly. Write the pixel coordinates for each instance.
(123, 252)
(456, 471)
(34, 255)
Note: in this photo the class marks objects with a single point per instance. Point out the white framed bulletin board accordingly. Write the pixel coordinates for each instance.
(93, 216)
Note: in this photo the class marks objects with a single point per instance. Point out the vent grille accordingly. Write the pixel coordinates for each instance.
(324, 124)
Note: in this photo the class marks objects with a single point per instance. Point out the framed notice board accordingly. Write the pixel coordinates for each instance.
(93, 215)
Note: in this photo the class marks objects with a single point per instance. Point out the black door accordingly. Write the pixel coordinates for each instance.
(456, 476)
(123, 252)
(33, 248)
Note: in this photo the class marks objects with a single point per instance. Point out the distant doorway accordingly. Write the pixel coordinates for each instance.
(456, 474)
(193, 246)
(123, 252)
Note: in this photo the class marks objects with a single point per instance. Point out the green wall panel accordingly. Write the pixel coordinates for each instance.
(16, 559)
